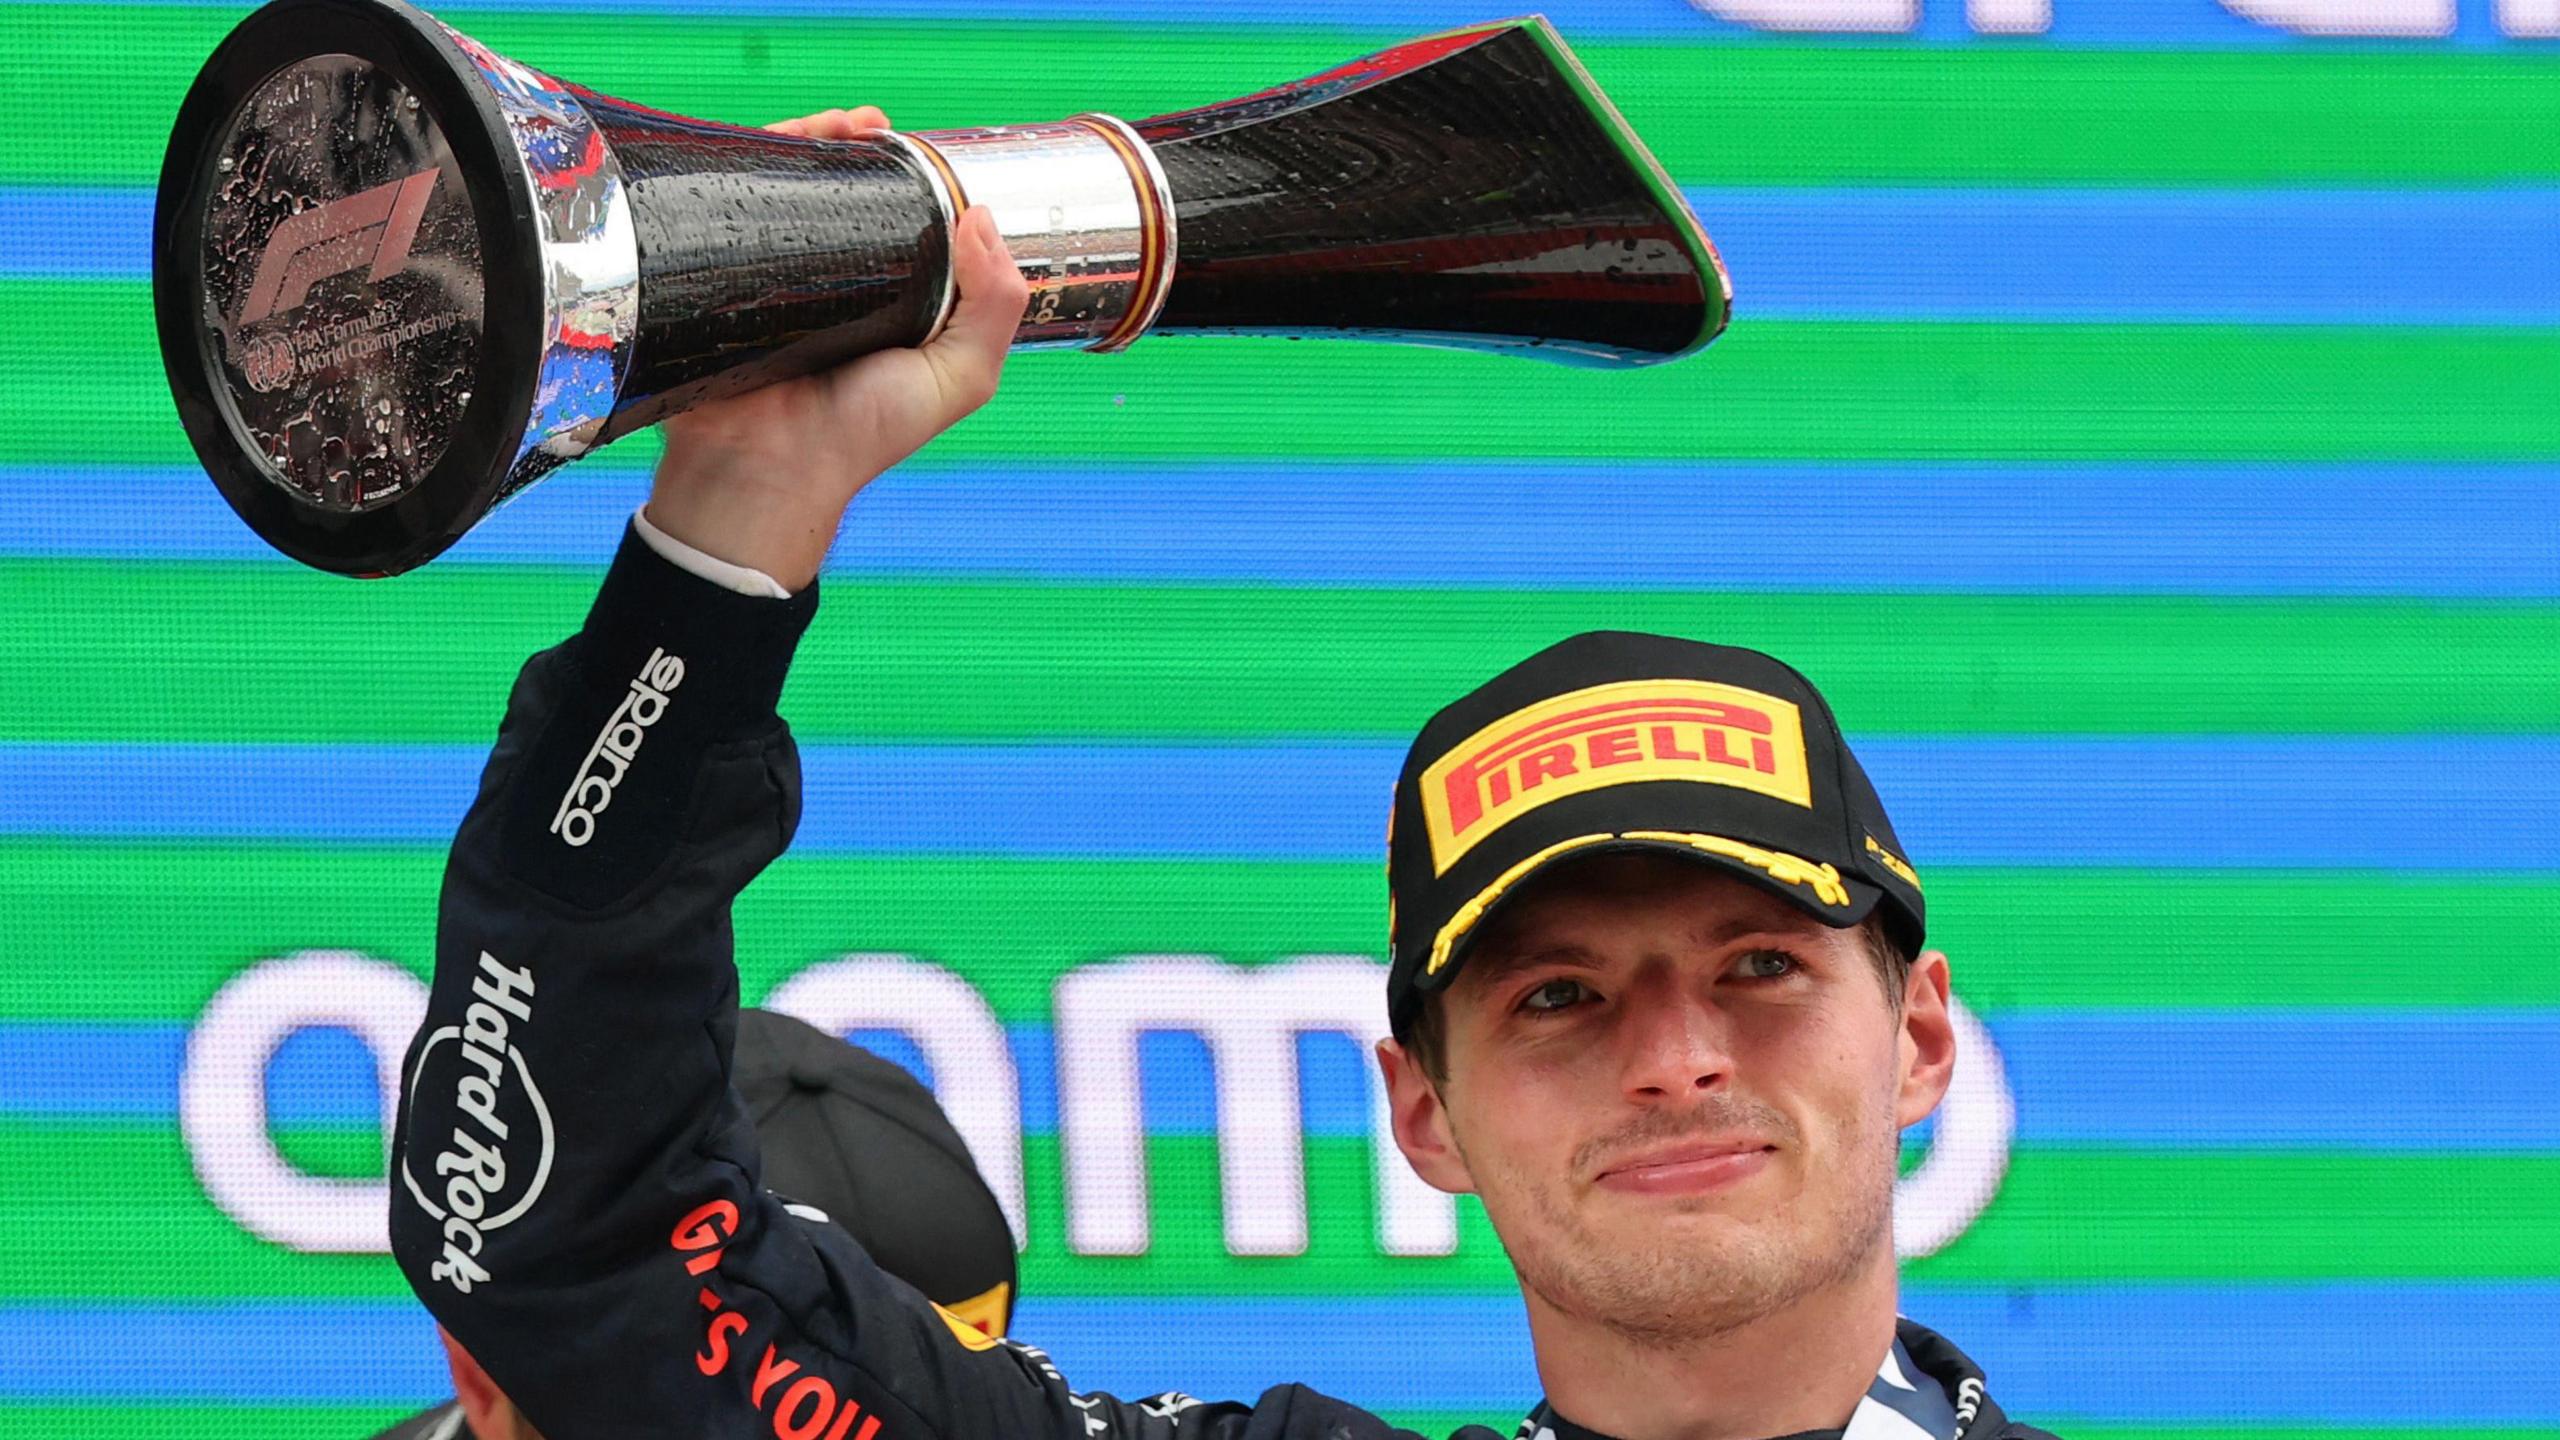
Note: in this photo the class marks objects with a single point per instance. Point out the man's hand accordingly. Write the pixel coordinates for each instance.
(762, 480)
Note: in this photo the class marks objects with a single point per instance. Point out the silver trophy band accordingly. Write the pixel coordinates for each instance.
(1082, 203)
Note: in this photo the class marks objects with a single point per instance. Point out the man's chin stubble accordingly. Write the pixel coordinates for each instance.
(1664, 1299)
(1641, 1299)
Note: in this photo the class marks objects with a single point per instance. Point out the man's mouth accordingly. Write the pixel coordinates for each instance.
(1688, 1168)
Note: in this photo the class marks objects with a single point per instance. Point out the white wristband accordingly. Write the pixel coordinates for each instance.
(719, 572)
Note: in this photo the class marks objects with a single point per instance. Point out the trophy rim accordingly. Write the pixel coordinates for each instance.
(471, 475)
(1715, 282)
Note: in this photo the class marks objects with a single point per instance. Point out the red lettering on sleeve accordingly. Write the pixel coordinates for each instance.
(844, 1421)
(768, 1371)
(706, 1225)
(724, 1327)
(805, 1409)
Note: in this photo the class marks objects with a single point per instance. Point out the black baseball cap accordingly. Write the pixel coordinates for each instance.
(856, 1137)
(1616, 741)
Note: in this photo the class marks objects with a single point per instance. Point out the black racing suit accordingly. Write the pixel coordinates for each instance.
(575, 1187)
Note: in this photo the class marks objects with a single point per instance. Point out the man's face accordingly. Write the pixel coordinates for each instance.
(1679, 1097)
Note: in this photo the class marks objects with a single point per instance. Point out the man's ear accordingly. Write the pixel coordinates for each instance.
(485, 1408)
(1928, 1038)
(1421, 1122)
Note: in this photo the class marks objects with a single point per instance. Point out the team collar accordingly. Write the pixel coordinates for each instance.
(1903, 1402)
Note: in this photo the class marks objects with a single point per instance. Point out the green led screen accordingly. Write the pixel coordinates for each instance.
(2141, 417)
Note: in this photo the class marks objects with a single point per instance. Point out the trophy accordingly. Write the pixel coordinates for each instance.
(399, 277)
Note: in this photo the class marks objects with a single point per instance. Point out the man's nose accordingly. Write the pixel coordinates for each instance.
(1677, 1045)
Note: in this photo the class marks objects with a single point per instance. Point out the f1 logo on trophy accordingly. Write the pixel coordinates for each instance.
(399, 277)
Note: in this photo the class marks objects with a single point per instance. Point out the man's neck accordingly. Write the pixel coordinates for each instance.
(1800, 1368)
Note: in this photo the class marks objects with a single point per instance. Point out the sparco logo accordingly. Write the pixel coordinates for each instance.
(372, 229)
(617, 745)
(473, 1173)
(1968, 1402)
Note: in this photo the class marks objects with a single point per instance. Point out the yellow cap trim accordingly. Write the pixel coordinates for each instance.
(1823, 879)
(1778, 864)
(1469, 913)
(1893, 862)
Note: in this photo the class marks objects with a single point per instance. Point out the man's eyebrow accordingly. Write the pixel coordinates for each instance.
(1493, 962)
(1713, 936)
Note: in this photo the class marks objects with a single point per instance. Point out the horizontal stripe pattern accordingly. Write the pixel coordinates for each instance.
(2063, 1217)
(2477, 257)
(2164, 24)
(1781, 389)
(2477, 804)
(195, 653)
(2450, 1082)
(113, 1420)
(1774, 111)
(2152, 516)
(173, 922)
(2272, 1354)
(2275, 529)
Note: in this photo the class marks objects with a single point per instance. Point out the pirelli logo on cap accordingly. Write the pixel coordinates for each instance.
(1606, 735)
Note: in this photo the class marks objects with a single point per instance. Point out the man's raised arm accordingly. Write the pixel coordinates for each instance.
(575, 1188)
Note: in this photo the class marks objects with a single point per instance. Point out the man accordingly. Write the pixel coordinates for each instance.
(924, 1212)
(1653, 977)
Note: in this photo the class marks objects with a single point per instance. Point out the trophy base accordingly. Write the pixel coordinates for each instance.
(350, 313)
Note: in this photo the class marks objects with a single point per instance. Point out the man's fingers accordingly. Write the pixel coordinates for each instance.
(970, 353)
(834, 124)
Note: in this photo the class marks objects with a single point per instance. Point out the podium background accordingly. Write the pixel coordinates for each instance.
(2148, 432)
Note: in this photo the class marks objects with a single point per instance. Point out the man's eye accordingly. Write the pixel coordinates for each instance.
(1554, 995)
(1768, 964)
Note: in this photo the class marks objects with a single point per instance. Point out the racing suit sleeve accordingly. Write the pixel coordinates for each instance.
(575, 1191)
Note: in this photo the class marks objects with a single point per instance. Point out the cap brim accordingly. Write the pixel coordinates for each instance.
(1836, 898)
